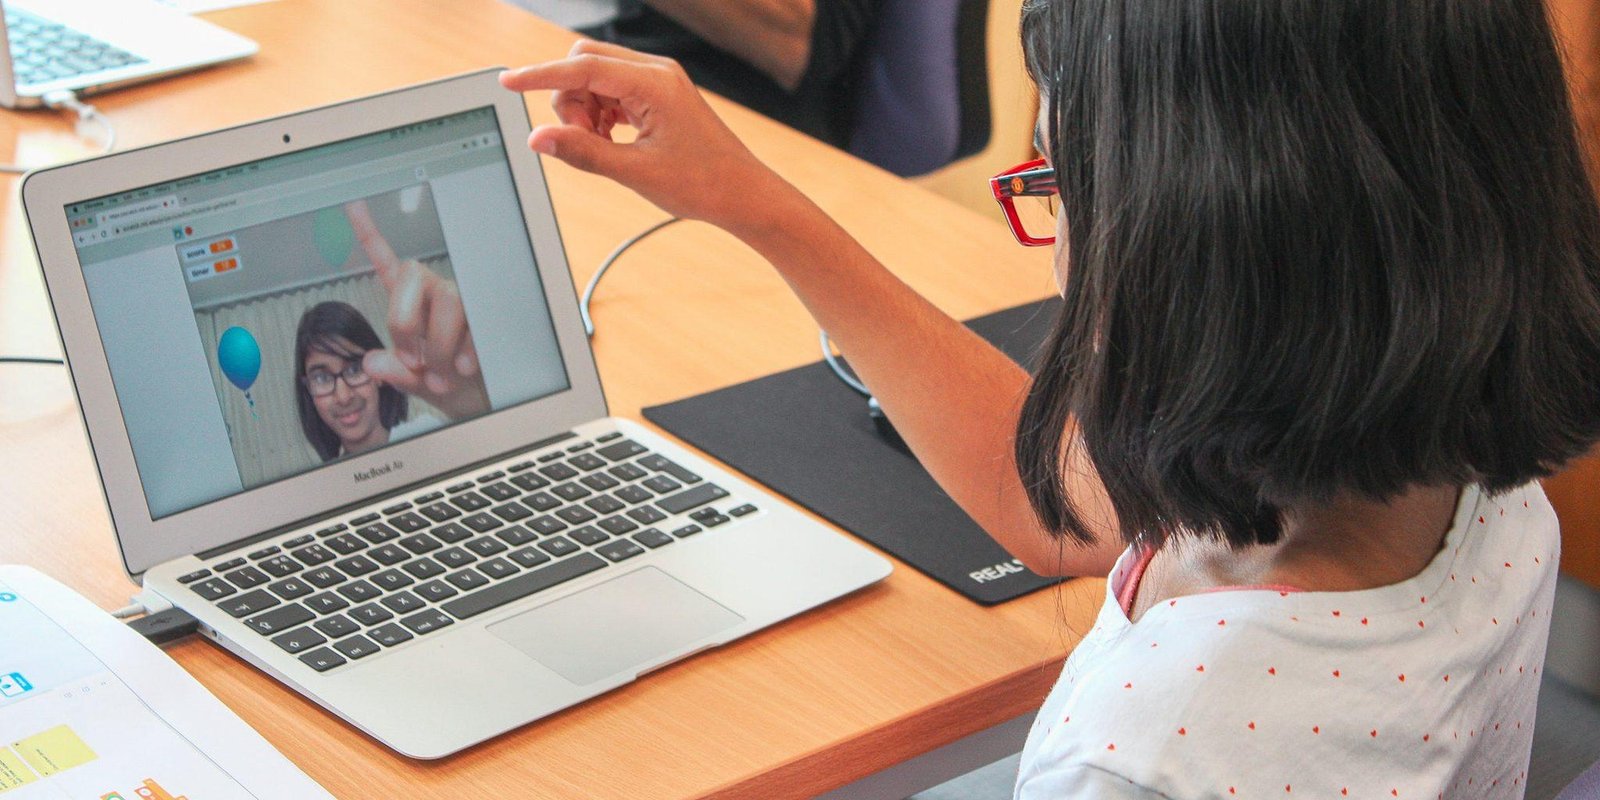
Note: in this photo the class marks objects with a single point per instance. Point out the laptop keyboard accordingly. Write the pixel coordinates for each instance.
(42, 50)
(383, 578)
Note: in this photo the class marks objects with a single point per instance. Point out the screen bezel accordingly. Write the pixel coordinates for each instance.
(146, 542)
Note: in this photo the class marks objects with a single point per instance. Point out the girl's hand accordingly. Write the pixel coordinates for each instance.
(684, 159)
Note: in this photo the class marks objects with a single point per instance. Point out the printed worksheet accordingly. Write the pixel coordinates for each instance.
(89, 709)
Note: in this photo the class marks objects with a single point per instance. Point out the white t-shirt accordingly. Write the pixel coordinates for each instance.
(1422, 689)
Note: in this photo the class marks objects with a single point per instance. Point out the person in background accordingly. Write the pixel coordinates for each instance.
(790, 60)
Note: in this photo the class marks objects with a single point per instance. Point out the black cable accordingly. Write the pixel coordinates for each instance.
(30, 360)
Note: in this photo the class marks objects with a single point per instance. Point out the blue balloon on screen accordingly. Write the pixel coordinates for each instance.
(239, 356)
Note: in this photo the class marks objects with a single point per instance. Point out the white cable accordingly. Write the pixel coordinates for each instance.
(838, 367)
(87, 114)
(130, 610)
(594, 282)
(145, 602)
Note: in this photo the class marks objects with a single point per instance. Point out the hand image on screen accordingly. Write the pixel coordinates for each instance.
(432, 355)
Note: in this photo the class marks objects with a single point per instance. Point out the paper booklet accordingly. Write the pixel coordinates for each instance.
(89, 710)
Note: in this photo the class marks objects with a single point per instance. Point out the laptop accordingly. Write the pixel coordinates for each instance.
(86, 46)
(523, 556)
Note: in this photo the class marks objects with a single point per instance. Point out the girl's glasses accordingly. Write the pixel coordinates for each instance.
(321, 382)
(1027, 193)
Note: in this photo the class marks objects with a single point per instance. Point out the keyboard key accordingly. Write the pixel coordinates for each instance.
(589, 535)
(214, 589)
(370, 614)
(517, 535)
(687, 531)
(627, 472)
(299, 541)
(423, 499)
(588, 462)
(600, 482)
(322, 659)
(356, 647)
(541, 502)
(425, 622)
(497, 568)
(359, 592)
(466, 580)
(608, 437)
(661, 484)
(578, 448)
(460, 487)
(409, 522)
(512, 512)
(298, 639)
(712, 522)
(264, 552)
(604, 504)
(529, 482)
(423, 568)
(616, 526)
(248, 603)
(491, 477)
(558, 546)
(326, 603)
(388, 554)
(229, 564)
(377, 533)
(652, 538)
(390, 635)
(551, 456)
(470, 501)
(280, 566)
(363, 520)
(486, 546)
(646, 515)
(558, 472)
(194, 576)
(523, 585)
(344, 544)
(660, 463)
(439, 512)
(548, 525)
(391, 580)
(314, 555)
(570, 492)
(291, 588)
(435, 591)
(451, 532)
(500, 492)
(528, 557)
(482, 523)
(323, 577)
(691, 498)
(525, 465)
(397, 508)
(331, 530)
(246, 578)
(337, 626)
(633, 495)
(743, 510)
(403, 603)
(356, 566)
(279, 620)
(454, 557)
(623, 450)
(576, 515)
(619, 550)
(420, 543)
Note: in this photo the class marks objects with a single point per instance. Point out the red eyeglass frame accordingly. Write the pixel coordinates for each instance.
(1034, 178)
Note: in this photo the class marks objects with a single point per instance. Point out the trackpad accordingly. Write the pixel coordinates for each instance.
(629, 623)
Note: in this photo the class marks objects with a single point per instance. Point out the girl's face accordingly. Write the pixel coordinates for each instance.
(350, 411)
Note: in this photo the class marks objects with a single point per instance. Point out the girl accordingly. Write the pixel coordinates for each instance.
(1331, 306)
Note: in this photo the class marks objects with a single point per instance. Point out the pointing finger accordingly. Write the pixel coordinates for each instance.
(603, 75)
(372, 242)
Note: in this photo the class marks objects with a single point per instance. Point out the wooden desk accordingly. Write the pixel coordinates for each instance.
(815, 703)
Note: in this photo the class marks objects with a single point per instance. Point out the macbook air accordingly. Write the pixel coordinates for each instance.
(85, 46)
(342, 406)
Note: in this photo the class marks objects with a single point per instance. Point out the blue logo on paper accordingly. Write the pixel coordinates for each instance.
(14, 684)
(7, 597)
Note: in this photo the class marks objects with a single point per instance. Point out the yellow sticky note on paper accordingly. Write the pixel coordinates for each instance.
(13, 773)
(54, 750)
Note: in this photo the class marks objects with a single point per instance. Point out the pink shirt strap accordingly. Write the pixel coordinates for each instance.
(1129, 590)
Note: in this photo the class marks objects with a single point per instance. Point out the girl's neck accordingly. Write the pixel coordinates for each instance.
(1346, 545)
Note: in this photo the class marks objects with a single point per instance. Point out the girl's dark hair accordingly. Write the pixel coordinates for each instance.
(1313, 249)
(321, 328)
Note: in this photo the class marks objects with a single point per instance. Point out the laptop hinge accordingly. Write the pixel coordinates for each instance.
(410, 487)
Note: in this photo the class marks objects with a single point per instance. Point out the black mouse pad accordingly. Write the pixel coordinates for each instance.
(806, 435)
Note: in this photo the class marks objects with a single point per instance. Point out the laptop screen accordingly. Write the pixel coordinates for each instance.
(271, 317)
